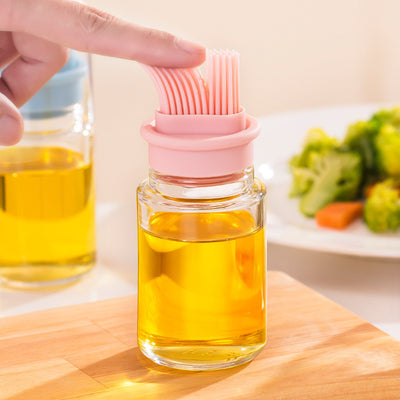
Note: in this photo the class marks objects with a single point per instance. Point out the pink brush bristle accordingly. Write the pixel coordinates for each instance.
(185, 91)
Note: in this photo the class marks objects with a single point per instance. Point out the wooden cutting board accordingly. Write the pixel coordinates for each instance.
(316, 350)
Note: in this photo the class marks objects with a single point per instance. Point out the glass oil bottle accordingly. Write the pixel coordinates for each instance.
(201, 295)
(47, 234)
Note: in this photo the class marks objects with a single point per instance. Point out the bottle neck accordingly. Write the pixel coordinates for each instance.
(219, 187)
(71, 119)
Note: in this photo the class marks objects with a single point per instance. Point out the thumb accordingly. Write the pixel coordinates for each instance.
(11, 122)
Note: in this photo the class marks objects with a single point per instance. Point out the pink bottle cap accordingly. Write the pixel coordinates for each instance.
(200, 145)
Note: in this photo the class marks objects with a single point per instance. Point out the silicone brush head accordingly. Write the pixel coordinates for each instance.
(185, 91)
(200, 130)
(223, 82)
(180, 91)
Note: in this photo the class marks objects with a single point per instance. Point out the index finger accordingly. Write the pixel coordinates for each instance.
(88, 29)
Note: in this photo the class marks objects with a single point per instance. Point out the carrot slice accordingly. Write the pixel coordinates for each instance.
(339, 215)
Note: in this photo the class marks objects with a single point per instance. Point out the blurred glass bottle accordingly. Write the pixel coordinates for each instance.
(47, 222)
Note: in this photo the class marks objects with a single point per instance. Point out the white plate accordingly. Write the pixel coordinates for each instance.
(281, 137)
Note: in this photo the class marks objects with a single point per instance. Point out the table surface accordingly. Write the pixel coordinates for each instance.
(316, 350)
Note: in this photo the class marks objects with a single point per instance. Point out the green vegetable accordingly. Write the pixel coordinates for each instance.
(324, 172)
(336, 177)
(315, 141)
(387, 144)
(378, 143)
(382, 208)
(360, 138)
(303, 177)
(383, 117)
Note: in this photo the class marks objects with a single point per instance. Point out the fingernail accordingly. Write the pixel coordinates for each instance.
(9, 130)
(189, 47)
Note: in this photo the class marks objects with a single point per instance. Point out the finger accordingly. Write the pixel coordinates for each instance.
(39, 60)
(87, 29)
(8, 51)
(11, 123)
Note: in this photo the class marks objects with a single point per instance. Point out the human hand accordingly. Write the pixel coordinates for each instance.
(34, 41)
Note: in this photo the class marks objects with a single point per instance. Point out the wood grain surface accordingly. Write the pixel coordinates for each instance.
(316, 350)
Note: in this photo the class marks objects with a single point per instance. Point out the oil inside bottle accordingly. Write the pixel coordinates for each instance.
(201, 289)
(46, 215)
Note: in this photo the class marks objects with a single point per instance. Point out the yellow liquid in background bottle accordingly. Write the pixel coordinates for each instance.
(46, 215)
(201, 289)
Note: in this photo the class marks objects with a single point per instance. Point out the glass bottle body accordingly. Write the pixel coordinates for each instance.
(47, 220)
(201, 295)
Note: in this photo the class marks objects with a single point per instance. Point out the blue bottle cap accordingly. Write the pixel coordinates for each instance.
(63, 90)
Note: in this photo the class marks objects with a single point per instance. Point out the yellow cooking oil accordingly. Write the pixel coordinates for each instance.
(201, 289)
(46, 215)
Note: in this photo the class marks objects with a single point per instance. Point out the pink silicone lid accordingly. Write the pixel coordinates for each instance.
(200, 145)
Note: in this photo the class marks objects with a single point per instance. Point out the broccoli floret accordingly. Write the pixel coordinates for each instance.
(378, 143)
(324, 172)
(382, 117)
(387, 144)
(303, 179)
(337, 177)
(382, 208)
(315, 142)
